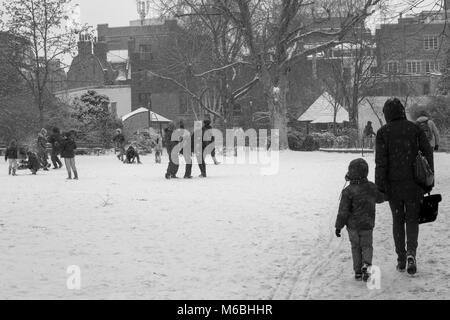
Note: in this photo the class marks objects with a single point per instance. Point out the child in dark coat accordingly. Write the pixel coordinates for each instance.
(11, 155)
(132, 155)
(357, 213)
(68, 153)
(33, 162)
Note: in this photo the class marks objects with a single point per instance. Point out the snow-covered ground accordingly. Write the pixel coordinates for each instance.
(235, 235)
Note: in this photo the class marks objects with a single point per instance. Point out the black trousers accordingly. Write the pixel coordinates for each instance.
(201, 165)
(172, 168)
(405, 214)
(55, 159)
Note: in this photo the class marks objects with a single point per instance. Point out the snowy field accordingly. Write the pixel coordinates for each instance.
(235, 235)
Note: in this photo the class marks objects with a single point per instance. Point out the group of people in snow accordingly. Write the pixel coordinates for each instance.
(396, 147)
(61, 145)
(189, 146)
(186, 142)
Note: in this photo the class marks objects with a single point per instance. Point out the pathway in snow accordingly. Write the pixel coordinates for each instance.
(235, 235)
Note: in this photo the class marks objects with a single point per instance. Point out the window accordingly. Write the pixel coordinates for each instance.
(413, 67)
(431, 66)
(392, 67)
(145, 52)
(430, 42)
(114, 109)
(144, 99)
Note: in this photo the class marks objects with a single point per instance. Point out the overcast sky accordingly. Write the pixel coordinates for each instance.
(121, 12)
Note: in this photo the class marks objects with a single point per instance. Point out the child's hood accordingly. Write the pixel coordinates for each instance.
(358, 170)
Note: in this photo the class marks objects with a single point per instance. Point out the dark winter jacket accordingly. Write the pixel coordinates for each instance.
(33, 161)
(68, 148)
(41, 143)
(119, 140)
(359, 199)
(168, 138)
(131, 153)
(55, 140)
(368, 131)
(206, 137)
(397, 145)
(11, 153)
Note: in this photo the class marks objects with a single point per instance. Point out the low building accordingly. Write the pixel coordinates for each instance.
(119, 96)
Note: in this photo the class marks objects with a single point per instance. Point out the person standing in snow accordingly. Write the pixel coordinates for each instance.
(158, 149)
(172, 168)
(11, 154)
(198, 147)
(357, 213)
(430, 129)
(397, 145)
(368, 135)
(55, 140)
(42, 149)
(68, 153)
(119, 142)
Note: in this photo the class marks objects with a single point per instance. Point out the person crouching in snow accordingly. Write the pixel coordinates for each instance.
(158, 149)
(11, 155)
(357, 212)
(132, 155)
(68, 153)
(33, 162)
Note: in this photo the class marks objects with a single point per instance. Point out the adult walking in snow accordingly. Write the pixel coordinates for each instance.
(430, 129)
(397, 145)
(42, 149)
(119, 143)
(55, 140)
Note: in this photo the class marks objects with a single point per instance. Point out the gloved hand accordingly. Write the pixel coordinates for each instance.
(338, 233)
(436, 148)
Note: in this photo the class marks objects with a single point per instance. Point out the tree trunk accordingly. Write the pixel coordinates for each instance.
(40, 106)
(276, 100)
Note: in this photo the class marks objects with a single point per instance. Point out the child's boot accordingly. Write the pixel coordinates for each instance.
(75, 175)
(358, 276)
(69, 177)
(365, 272)
(14, 172)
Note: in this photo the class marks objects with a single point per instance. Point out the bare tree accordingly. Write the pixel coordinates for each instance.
(41, 28)
(276, 34)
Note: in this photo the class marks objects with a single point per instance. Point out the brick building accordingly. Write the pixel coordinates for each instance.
(153, 46)
(412, 51)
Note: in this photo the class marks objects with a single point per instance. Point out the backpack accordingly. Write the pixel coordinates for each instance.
(426, 128)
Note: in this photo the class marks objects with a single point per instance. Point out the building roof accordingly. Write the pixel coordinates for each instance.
(154, 116)
(322, 111)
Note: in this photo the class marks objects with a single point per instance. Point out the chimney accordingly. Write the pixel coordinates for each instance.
(84, 45)
(101, 50)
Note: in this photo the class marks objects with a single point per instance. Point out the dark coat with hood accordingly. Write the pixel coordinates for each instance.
(55, 140)
(11, 153)
(168, 132)
(33, 161)
(397, 145)
(359, 199)
(68, 147)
